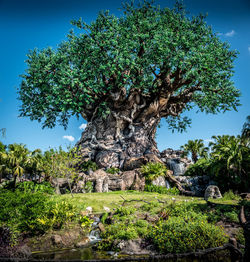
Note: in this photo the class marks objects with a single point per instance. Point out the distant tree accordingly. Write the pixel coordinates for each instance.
(196, 148)
(3, 131)
(245, 133)
(123, 74)
(15, 160)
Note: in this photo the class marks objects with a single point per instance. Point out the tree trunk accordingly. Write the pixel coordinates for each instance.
(119, 138)
(245, 223)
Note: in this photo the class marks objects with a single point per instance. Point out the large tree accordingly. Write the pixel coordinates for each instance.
(123, 74)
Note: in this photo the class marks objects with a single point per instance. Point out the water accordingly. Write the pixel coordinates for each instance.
(177, 167)
(88, 253)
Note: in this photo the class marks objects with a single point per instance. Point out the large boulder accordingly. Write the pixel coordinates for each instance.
(212, 191)
(159, 181)
(197, 184)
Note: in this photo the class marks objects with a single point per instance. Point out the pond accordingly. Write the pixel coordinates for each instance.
(89, 254)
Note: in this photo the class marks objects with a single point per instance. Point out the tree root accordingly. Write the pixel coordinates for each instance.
(171, 179)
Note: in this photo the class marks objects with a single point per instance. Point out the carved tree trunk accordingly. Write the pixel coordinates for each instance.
(113, 141)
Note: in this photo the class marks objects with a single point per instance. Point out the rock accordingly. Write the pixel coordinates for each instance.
(89, 209)
(83, 242)
(197, 184)
(57, 240)
(98, 185)
(107, 159)
(159, 181)
(212, 191)
(132, 247)
(101, 227)
(245, 195)
(134, 162)
(139, 182)
(175, 161)
(61, 185)
(107, 209)
(105, 185)
(78, 187)
(115, 182)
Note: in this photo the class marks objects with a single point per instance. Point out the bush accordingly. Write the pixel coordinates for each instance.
(161, 189)
(124, 211)
(230, 196)
(32, 213)
(179, 235)
(88, 187)
(153, 170)
(87, 165)
(199, 168)
(33, 187)
(113, 170)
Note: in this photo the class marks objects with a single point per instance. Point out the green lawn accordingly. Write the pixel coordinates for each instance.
(114, 199)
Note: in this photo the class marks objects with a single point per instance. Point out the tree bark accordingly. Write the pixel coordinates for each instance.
(245, 223)
(115, 140)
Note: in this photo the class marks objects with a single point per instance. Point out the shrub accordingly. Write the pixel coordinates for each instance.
(86, 222)
(88, 187)
(161, 189)
(179, 235)
(199, 168)
(32, 213)
(113, 170)
(87, 165)
(229, 195)
(153, 170)
(32, 187)
(124, 211)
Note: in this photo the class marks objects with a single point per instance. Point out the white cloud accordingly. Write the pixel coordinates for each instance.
(249, 49)
(82, 126)
(208, 140)
(70, 138)
(230, 34)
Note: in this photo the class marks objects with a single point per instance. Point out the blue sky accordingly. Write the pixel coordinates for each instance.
(27, 24)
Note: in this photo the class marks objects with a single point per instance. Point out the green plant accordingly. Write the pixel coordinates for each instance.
(113, 170)
(88, 187)
(86, 222)
(196, 148)
(31, 187)
(240, 237)
(124, 211)
(104, 217)
(153, 170)
(161, 189)
(87, 165)
(229, 195)
(180, 235)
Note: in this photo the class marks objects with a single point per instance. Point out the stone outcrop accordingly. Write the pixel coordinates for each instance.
(175, 161)
(212, 191)
(105, 182)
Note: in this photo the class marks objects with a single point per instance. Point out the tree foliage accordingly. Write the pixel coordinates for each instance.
(169, 58)
(196, 148)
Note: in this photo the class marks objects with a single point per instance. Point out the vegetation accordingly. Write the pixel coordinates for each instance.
(228, 163)
(177, 228)
(196, 148)
(161, 189)
(151, 171)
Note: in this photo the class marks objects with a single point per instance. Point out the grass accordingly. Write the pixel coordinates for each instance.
(114, 199)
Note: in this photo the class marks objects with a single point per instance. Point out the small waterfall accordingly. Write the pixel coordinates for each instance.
(167, 184)
(94, 235)
(177, 167)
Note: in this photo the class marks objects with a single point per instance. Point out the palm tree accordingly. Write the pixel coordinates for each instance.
(16, 158)
(245, 133)
(231, 158)
(196, 148)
